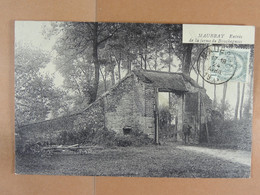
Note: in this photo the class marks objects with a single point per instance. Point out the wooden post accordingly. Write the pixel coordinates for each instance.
(183, 110)
(199, 115)
(156, 116)
(206, 121)
(176, 128)
(207, 130)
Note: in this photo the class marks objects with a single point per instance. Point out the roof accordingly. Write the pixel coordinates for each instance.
(166, 81)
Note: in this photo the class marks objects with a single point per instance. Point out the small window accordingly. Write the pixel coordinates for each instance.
(127, 130)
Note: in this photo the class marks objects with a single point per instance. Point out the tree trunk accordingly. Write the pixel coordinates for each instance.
(96, 62)
(129, 65)
(197, 79)
(203, 71)
(237, 104)
(223, 100)
(141, 61)
(248, 105)
(215, 96)
(145, 62)
(113, 76)
(118, 61)
(242, 101)
(119, 70)
(187, 59)
(170, 57)
(155, 59)
(104, 79)
(112, 71)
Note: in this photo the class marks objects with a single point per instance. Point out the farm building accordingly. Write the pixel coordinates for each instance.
(133, 104)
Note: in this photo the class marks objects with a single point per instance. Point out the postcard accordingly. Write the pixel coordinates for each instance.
(133, 99)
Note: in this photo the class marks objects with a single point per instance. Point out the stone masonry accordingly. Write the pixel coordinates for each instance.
(131, 103)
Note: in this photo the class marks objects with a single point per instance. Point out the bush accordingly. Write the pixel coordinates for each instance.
(135, 138)
(231, 134)
(123, 141)
(84, 136)
(30, 148)
(104, 138)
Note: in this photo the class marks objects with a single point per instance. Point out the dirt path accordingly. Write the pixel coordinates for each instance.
(239, 156)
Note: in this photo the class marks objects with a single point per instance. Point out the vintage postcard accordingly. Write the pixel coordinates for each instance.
(133, 99)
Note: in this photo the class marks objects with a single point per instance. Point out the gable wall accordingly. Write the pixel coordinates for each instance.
(143, 106)
(119, 107)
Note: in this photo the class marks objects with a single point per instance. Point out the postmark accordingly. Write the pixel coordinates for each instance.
(218, 64)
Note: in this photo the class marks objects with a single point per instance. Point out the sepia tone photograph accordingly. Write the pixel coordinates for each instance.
(131, 99)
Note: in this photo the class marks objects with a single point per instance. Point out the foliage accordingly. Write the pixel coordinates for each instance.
(87, 50)
(235, 134)
(226, 107)
(33, 148)
(165, 123)
(103, 137)
(35, 94)
(78, 49)
(135, 138)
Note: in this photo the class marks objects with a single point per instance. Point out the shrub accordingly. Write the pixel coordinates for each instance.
(135, 138)
(30, 148)
(103, 137)
(123, 141)
(232, 134)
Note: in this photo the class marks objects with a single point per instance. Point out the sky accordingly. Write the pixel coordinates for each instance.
(31, 32)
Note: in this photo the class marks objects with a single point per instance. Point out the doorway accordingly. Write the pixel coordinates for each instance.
(168, 117)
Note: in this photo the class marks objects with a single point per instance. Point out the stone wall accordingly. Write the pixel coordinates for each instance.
(143, 107)
(48, 130)
(119, 106)
(112, 111)
(130, 104)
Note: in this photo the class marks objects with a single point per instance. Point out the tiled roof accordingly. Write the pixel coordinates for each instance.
(165, 81)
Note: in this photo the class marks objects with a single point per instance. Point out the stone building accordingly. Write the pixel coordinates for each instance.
(132, 104)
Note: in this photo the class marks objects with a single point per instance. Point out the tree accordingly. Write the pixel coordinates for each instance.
(237, 103)
(248, 104)
(80, 38)
(86, 50)
(242, 101)
(223, 101)
(215, 96)
(35, 93)
(143, 43)
(182, 51)
(187, 59)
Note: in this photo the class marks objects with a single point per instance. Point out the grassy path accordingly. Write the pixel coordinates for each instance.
(239, 156)
(149, 161)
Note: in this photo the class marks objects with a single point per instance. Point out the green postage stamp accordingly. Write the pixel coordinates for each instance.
(219, 64)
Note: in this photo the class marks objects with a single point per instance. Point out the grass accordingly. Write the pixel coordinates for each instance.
(145, 161)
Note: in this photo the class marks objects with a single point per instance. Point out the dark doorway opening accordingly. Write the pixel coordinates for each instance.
(167, 118)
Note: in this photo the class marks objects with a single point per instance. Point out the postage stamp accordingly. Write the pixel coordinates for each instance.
(219, 64)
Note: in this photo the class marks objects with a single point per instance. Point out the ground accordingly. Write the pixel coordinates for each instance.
(169, 160)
